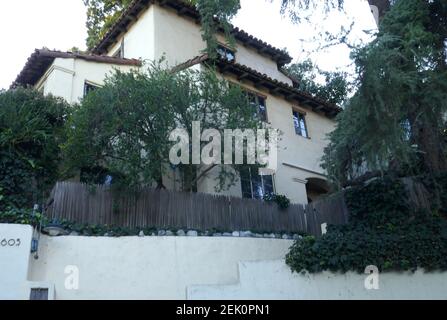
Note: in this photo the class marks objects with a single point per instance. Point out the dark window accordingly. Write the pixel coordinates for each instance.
(299, 121)
(39, 294)
(120, 52)
(254, 185)
(88, 87)
(258, 103)
(226, 53)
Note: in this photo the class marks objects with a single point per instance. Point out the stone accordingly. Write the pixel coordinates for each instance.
(192, 233)
(153, 234)
(276, 236)
(169, 233)
(161, 233)
(297, 237)
(141, 234)
(181, 233)
(258, 235)
(285, 236)
(236, 234)
(74, 233)
(246, 234)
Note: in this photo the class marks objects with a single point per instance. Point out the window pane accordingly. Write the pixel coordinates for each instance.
(258, 190)
(262, 109)
(246, 183)
(303, 127)
(268, 184)
(299, 122)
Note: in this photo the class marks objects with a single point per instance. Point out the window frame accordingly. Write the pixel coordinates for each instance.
(251, 181)
(227, 50)
(302, 115)
(90, 84)
(257, 96)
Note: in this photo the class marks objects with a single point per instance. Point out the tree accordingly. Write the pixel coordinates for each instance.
(31, 130)
(123, 129)
(396, 119)
(101, 15)
(335, 87)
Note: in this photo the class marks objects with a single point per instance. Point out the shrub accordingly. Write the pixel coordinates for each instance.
(383, 231)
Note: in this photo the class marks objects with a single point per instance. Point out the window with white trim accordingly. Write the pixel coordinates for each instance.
(254, 185)
(259, 105)
(89, 87)
(299, 121)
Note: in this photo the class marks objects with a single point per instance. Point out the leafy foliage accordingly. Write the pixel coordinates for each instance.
(396, 119)
(31, 129)
(282, 201)
(101, 15)
(384, 231)
(123, 128)
(335, 88)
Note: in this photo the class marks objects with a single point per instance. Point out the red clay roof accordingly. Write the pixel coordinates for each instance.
(261, 80)
(185, 9)
(41, 59)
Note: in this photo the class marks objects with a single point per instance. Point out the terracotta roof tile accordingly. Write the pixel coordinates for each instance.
(41, 59)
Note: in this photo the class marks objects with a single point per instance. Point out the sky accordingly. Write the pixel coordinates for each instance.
(60, 24)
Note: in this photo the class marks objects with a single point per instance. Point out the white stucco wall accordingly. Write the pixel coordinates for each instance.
(273, 280)
(66, 77)
(184, 268)
(146, 268)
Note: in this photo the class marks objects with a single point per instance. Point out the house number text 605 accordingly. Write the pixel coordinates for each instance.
(10, 243)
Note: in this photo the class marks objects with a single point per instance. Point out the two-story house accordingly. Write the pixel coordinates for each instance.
(151, 29)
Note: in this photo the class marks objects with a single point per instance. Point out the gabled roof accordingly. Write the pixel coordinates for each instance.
(263, 81)
(41, 59)
(131, 13)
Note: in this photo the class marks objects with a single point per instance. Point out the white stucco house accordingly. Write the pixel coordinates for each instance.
(149, 30)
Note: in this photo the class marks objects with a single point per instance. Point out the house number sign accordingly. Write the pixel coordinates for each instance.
(10, 243)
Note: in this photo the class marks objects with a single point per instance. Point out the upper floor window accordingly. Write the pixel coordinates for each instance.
(299, 121)
(89, 87)
(120, 52)
(254, 185)
(258, 103)
(226, 53)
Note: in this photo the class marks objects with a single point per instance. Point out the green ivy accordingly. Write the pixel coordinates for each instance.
(282, 201)
(383, 231)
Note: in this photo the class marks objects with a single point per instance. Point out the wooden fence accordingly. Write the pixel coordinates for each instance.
(81, 203)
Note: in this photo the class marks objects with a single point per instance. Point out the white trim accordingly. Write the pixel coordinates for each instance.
(304, 169)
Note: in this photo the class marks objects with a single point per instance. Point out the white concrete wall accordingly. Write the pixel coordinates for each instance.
(183, 268)
(273, 280)
(15, 259)
(149, 267)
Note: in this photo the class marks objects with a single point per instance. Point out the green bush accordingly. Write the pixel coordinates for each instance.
(383, 231)
(31, 130)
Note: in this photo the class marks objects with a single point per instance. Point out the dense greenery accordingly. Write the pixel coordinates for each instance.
(123, 129)
(383, 231)
(31, 130)
(396, 120)
(101, 15)
(335, 88)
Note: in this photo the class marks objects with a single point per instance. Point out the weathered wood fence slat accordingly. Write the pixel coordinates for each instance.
(82, 203)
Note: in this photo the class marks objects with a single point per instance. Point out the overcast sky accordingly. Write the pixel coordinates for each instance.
(60, 24)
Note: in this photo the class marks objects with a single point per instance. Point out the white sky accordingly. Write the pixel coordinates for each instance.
(60, 24)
